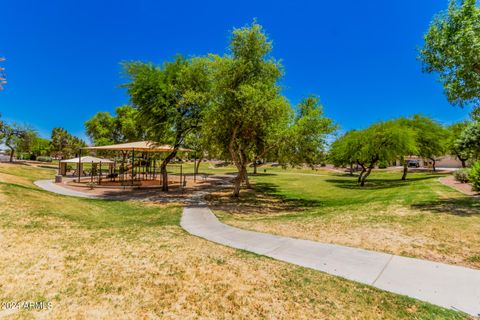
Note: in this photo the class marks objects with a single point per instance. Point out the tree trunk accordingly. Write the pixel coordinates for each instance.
(255, 167)
(238, 181)
(362, 183)
(361, 173)
(351, 169)
(433, 164)
(197, 165)
(464, 164)
(12, 152)
(405, 170)
(163, 169)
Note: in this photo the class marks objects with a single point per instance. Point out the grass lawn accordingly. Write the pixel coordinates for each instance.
(107, 259)
(418, 218)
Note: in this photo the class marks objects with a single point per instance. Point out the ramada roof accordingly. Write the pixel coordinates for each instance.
(146, 146)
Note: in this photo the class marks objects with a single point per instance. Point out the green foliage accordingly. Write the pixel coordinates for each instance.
(65, 145)
(461, 175)
(248, 115)
(454, 144)
(381, 142)
(431, 138)
(452, 48)
(105, 129)
(305, 143)
(170, 100)
(469, 139)
(474, 176)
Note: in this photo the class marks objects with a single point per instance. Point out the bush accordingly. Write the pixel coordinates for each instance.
(461, 175)
(474, 176)
(44, 159)
(383, 165)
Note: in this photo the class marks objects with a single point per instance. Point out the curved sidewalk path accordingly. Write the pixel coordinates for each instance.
(445, 285)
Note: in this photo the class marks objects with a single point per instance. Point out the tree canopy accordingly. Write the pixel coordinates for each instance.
(170, 100)
(382, 141)
(452, 48)
(105, 129)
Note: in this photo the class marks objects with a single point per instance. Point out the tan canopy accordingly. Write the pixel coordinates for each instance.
(86, 159)
(146, 146)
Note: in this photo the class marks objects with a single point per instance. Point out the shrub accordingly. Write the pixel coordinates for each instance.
(474, 176)
(383, 164)
(44, 159)
(461, 175)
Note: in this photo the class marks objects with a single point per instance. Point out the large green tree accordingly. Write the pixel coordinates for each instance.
(381, 142)
(124, 126)
(305, 141)
(170, 100)
(248, 112)
(431, 137)
(452, 48)
(64, 145)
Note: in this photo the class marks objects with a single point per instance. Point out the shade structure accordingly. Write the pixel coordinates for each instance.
(86, 159)
(145, 146)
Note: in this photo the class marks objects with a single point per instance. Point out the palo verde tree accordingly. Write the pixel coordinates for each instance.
(248, 111)
(452, 49)
(170, 100)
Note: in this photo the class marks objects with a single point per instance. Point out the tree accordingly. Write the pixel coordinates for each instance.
(248, 111)
(383, 141)
(170, 100)
(346, 151)
(306, 139)
(65, 145)
(11, 135)
(431, 137)
(469, 139)
(101, 129)
(105, 129)
(454, 145)
(452, 48)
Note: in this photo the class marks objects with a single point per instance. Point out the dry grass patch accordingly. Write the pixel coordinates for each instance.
(418, 218)
(128, 260)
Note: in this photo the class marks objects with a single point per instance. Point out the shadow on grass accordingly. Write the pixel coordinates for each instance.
(264, 198)
(376, 183)
(463, 207)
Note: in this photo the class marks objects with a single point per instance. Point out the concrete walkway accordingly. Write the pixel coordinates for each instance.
(56, 188)
(444, 285)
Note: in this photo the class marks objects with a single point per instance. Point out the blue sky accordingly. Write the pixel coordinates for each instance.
(358, 56)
